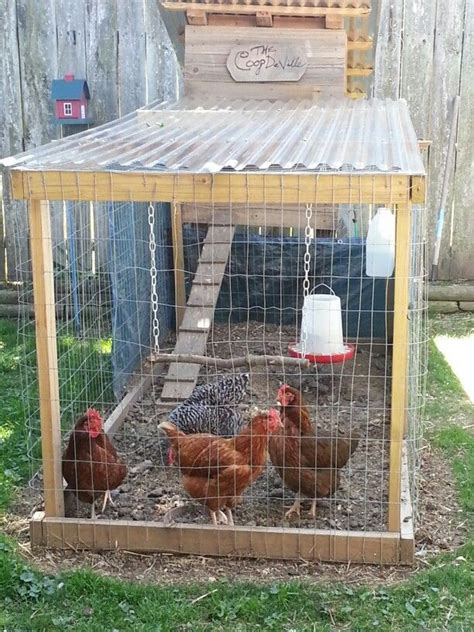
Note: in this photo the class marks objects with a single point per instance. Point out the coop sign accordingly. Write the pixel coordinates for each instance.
(267, 62)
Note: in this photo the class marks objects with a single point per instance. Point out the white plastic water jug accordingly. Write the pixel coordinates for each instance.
(380, 245)
(321, 325)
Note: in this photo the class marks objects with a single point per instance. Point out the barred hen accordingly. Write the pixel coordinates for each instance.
(211, 407)
(225, 391)
(199, 418)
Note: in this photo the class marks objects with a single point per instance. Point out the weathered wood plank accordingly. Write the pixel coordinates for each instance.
(101, 59)
(71, 38)
(388, 50)
(131, 65)
(220, 189)
(208, 49)
(418, 35)
(38, 67)
(260, 542)
(460, 262)
(446, 78)
(192, 339)
(163, 72)
(11, 119)
(197, 318)
(14, 248)
(278, 10)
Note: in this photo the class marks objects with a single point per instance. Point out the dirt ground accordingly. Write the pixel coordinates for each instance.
(344, 399)
(441, 529)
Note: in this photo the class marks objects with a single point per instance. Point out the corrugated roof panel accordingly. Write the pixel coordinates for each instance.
(186, 135)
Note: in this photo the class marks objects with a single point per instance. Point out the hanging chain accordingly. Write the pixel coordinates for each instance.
(307, 243)
(307, 266)
(153, 279)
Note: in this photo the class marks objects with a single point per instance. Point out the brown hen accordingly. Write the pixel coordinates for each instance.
(217, 471)
(307, 464)
(91, 465)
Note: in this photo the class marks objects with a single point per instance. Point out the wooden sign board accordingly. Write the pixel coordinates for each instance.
(209, 48)
(267, 62)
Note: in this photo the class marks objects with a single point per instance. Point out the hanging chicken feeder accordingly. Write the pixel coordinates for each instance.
(322, 341)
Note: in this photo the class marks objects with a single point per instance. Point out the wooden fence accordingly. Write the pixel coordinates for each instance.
(423, 53)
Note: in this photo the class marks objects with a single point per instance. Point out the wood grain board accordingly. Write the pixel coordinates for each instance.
(199, 313)
(207, 50)
(267, 216)
(238, 541)
(220, 189)
(263, 62)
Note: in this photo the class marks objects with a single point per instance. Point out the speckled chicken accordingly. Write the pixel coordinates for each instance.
(212, 408)
(228, 390)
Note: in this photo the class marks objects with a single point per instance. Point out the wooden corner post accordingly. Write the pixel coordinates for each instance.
(399, 361)
(47, 357)
(178, 261)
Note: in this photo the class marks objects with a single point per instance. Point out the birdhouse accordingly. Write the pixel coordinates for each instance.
(71, 101)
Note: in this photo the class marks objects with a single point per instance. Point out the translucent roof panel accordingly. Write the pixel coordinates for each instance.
(188, 136)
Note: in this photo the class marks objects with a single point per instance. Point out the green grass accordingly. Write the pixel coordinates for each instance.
(82, 365)
(437, 598)
(14, 466)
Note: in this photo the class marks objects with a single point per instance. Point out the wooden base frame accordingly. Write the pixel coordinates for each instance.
(370, 547)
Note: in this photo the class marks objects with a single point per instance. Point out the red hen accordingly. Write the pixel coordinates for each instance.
(91, 465)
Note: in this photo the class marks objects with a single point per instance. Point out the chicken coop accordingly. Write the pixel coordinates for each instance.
(178, 248)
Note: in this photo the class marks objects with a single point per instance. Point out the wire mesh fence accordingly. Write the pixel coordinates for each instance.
(228, 293)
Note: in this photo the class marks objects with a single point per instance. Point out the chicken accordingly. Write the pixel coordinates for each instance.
(217, 420)
(217, 471)
(228, 390)
(91, 465)
(307, 464)
(211, 408)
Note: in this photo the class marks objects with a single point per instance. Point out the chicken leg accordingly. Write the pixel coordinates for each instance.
(107, 498)
(230, 517)
(217, 517)
(312, 511)
(295, 508)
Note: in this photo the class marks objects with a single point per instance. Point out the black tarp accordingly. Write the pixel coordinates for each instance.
(264, 280)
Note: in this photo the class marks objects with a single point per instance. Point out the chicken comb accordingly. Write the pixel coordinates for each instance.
(273, 414)
(93, 413)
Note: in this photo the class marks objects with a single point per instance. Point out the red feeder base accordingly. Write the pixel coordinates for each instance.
(295, 352)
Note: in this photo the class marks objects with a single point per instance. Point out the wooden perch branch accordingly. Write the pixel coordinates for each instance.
(224, 363)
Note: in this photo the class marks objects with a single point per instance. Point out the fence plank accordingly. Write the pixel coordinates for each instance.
(101, 59)
(71, 36)
(388, 50)
(461, 264)
(446, 75)
(163, 74)
(11, 124)
(131, 56)
(418, 36)
(38, 66)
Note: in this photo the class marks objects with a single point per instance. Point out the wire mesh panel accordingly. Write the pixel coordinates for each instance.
(270, 404)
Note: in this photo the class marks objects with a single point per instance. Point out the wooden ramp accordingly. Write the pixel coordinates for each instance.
(199, 313)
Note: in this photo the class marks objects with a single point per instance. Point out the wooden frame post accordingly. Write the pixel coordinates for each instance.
(178, 263)
(399, 361)
(47, 357)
